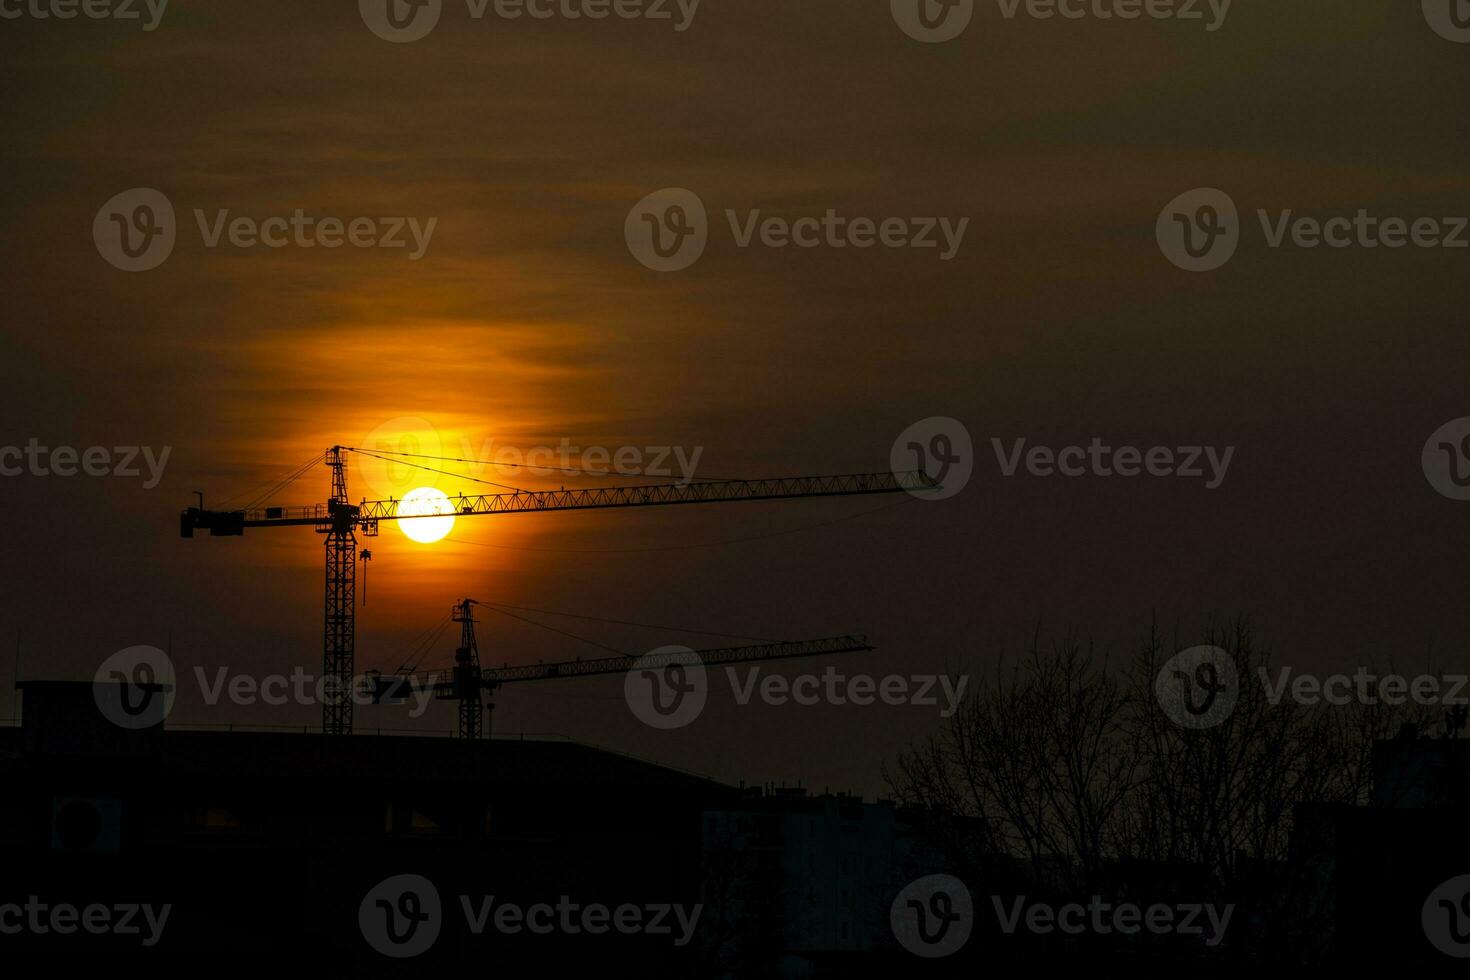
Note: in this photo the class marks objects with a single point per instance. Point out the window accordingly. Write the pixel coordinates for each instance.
(223, 818)
(404, 819)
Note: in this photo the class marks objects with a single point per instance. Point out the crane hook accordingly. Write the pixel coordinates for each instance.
(367, 556)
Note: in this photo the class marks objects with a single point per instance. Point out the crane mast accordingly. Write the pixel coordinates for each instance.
(339, 638)
(466, 680)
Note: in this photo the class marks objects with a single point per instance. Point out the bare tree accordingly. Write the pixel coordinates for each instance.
(1070, 767)
(1035, 765)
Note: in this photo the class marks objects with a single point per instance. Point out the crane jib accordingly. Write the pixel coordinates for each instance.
(449, 684)
(323, 516)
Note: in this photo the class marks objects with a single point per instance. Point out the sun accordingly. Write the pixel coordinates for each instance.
(426, 500)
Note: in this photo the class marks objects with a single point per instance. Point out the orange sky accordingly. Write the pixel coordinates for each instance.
(527, 322)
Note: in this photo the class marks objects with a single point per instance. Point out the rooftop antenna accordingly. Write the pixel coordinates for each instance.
(16, 685)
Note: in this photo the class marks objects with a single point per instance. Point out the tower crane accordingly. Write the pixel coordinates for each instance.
(468, 683)
(340, 521)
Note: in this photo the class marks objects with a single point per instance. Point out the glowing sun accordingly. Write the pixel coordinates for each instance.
(426, 500)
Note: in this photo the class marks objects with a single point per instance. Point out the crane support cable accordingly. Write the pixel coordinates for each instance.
(421, 645)
(707, 658)
(569, 470)
(625, 622)
(263, 491)
(460, 476)
(421, 649)
(573, 636)
(798, 529)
